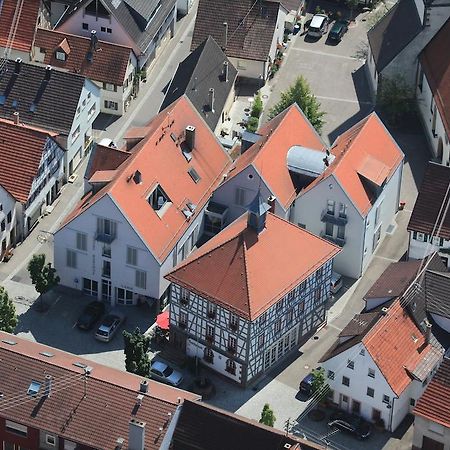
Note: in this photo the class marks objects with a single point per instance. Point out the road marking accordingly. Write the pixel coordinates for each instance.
(333, 55)
(346, 100)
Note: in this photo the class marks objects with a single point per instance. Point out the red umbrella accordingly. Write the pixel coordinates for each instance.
(162, 320)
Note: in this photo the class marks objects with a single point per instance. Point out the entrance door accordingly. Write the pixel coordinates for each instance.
(376, 415)
(356, 407)
(343, 402)
(431, 444)
(106, 290)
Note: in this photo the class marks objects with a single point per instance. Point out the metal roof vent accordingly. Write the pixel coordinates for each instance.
(139, 399)
(137, 177)
(119, 443)
(34, 388)
(287, 445)
(384, 310)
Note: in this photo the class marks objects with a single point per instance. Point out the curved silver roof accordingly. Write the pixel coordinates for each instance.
(307, 161)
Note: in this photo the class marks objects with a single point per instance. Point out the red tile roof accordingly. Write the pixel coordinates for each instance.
(105, 158)
(366, 151)
(160, 160)
(26, 24)
(436, 66)
(96, 419)
(269, 154)
(109, 63)
(435, 402)
(21, 148)
(249, 272)
(397, 346)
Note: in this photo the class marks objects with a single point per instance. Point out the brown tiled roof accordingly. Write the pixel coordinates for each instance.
(250, 29)
(394, 280)
(435, 61)
(109, 62)
(433, 193)
(249, 272)
(105, 158)
(26, 25)
(21, 149)
(397, 346)
(203, 427)
(95, 412)
(160, 160)
(434, 404)
(437, 292)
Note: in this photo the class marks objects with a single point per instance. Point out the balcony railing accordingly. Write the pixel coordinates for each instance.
(328, 217)
(336, 240)
(105, 238)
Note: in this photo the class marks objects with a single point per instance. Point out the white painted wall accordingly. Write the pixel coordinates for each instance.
(419, 249)
(250, 68)
(424, 427)
(8, 204)
(371, 73)
(427, 109)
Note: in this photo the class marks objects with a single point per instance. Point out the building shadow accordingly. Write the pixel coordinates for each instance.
(103, 121)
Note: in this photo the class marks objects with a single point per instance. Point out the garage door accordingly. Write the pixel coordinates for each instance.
(431, 444)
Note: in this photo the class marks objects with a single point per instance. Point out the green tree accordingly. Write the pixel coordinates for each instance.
(257, 108)
(42, 275)
(396, 99)
(352, 4)
(8, 317)
(300, 93)
(136, 352)
(267, 416)
(319, 386)
(252, 124)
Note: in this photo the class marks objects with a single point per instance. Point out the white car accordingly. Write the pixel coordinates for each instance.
(109, 326)
(336, 283)
(318, 26)
(163, 372)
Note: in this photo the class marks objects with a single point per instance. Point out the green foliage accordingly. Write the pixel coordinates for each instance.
(352, 4)
(267, 416)
(42, 274)
(257, 108)
(8, 317)
(396, 99)
(252, 124)
(136, 352)
(319, 384)
(301, 94)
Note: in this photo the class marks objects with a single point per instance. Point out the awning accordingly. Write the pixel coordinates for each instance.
(162, 320)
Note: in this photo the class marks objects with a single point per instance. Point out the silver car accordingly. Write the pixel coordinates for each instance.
(163, 372)
(318, 25)
(109, 326)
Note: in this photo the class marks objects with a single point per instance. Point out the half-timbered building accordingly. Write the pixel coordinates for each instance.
(250, 295)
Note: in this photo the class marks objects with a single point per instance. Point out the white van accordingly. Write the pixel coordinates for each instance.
(336, 283)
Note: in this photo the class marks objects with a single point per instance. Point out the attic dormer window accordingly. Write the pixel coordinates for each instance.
(60, 56)
(158, 198)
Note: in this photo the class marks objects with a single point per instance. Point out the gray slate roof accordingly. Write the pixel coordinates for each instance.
(133, 15)
(55, 102)
(394, 32)
(200, 71)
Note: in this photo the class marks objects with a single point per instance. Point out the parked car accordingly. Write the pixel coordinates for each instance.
(339, 28)
(318, 26)
(350, 423)
(90, 315)
(109, 326)
(336, 283)
(163, 372)
(307, 383)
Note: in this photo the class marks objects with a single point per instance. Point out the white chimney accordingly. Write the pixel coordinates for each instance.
(211, 98)
(225, 71)
(16, 116)
(427, 332)
(136, 435)
(225, 25)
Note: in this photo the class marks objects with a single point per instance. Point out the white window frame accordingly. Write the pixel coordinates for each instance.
(50, 439)
(141, 279)
(76, 133)
(16, 428)
(81, 241)
(71, 258)
(132, 256)
(60, 56)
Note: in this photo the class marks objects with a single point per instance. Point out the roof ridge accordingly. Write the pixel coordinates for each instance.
(247, 284)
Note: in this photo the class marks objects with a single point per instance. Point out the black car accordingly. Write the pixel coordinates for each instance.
(338, 30)
(90, 315)
(306, 384)
(350, 423)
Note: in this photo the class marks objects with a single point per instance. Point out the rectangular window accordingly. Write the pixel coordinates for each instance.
(262, 319)
(60, 56)
(342, 210)
(85, 26)
(362, 352)
(194, 175)
(371, 373)
(386, 399)
(370, 392)
(71, 259)
(346, 381)
(412, 402)
(132, 256)
(289, 316)
(16, 428)
(330, 375)
(103, 29)
(183, 319)
(90, 287)
(240, 197)
(301, 307)
(261, 340)
(378, 213)
(376, 238)
(317, 295)
(3, 225)
(184, 296)
(351, 364)
(341, 232)
(9, 217)
(82, 241)
(50, 440)
(277, 327)
(92, 110)
(111, 105)
(76, 133)
(110, 87)
(211, 310)
(210, 332)
(109, 30)
(106, 250)
(158, 198)
(106, 269)
(234, 322)
(231, 344)
(329, 229)
(330, 207)
(141, 279)
(106, 227)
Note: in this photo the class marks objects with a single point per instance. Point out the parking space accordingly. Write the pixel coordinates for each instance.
(57, 326)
